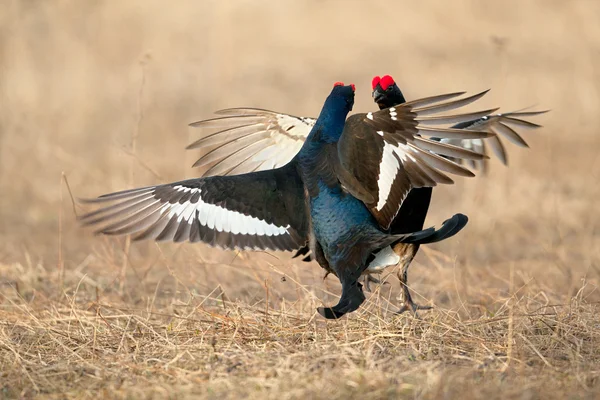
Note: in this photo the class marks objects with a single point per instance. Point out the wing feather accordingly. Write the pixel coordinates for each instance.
(261, 210)
(406, 160)
(503, 125)
(250, 139)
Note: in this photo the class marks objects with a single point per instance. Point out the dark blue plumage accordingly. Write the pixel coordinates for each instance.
(342, 225)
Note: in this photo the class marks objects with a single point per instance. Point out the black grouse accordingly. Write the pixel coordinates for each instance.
(250, 139)
(339, 194)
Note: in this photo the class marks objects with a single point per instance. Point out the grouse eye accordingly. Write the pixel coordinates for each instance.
(386, 82)
(338, 84)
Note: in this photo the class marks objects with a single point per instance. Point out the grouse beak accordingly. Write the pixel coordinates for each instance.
(378, 96)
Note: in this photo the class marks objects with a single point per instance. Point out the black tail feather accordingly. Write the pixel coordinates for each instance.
(449, 228)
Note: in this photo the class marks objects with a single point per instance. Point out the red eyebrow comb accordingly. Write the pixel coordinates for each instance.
(386, 82)
(338, 84)
(375, 82)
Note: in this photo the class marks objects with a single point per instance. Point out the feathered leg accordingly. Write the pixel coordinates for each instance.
(349, 263)
(367, 279)
(407, 252)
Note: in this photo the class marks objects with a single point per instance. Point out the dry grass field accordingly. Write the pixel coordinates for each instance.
(102, 92)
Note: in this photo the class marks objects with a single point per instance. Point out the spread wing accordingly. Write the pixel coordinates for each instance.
(500, 124)
(261, 210)
(386, 153)
(250, 139)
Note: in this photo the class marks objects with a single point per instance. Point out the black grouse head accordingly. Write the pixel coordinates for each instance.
(386, 93)
(342, 96)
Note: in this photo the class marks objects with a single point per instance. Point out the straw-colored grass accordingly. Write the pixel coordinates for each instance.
(102, 92)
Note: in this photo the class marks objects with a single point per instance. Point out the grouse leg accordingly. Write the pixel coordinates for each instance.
(367, 280)
(407, 252)
(348, 273)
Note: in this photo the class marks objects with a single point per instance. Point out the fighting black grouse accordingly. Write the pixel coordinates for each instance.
(339, 193)
(250, 139)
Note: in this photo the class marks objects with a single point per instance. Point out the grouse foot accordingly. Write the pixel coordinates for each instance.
(407, 304)
(367, 279)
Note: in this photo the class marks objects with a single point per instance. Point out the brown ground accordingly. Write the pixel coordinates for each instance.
(515, 294)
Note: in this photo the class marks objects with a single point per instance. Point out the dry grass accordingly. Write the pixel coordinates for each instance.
(103, 92)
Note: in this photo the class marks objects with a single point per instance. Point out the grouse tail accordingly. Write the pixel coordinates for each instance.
(449, 228)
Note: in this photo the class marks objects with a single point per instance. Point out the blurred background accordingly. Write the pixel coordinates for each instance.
(103, 91)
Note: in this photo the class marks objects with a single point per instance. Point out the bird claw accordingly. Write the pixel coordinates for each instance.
(410, 306)
(406, 301)
(368, 279)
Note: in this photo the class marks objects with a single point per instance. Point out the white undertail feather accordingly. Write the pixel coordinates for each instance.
(384, 258)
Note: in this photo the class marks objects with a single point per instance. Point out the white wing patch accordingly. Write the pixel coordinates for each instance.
(249, 140)
(388, 169)
(219, 218)
(285, 123)
(404, 152)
